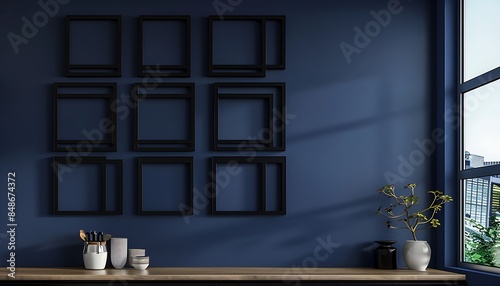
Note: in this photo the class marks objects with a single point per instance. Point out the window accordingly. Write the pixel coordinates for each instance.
(480, 136)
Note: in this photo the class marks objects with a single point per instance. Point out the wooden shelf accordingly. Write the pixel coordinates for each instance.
(229, 274)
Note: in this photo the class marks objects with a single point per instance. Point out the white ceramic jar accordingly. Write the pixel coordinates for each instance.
(95, 255)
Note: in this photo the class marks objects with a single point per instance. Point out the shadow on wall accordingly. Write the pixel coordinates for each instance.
(325, 227)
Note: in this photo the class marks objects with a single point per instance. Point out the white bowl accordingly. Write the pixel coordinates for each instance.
(140, 266)
(132, 252)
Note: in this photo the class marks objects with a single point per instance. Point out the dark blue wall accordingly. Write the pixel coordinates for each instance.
(350, 124)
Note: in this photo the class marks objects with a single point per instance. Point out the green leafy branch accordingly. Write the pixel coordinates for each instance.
(480, 246)
(401, 209)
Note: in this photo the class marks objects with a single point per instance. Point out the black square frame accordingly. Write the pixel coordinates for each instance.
(246, 70)
(94, 70)
(102, 162)
(96, 145)
(165, 160)
(162, 145)
(262, 161)
(277, 124)
(166, 70)
(264, 142)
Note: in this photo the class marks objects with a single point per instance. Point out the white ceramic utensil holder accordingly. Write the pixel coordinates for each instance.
(95, 255)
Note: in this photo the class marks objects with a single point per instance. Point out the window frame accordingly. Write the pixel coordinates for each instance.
(463, 174)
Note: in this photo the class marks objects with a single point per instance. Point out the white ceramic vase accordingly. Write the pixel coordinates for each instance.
(118, 252)
(417, 254)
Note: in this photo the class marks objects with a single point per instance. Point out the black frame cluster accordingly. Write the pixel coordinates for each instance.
(274, 101)
(114, 69)
(276, 127)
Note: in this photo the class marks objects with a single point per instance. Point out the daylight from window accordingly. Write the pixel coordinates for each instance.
(481, 123)
(481, 22)
(480, 135)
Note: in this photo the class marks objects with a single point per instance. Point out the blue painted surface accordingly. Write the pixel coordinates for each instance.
(348, 124)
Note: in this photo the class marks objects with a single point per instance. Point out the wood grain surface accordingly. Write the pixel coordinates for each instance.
(230, 274)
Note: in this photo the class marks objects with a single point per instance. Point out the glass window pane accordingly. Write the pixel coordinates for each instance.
(481, 126)
(481, 37)
(482, 220)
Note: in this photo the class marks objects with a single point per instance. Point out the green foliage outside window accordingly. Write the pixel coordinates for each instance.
(483, 247)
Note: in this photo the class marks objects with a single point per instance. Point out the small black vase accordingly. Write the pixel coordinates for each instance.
(385, 255)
